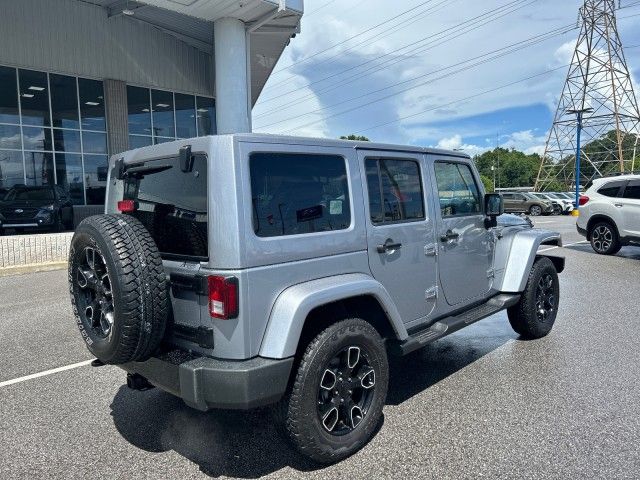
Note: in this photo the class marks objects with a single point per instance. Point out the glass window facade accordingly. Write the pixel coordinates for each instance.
(53, 129)
(158, 116)
(53, 132)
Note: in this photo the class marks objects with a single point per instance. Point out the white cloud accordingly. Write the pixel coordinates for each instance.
(527, 141)
(440, 98)
(455, 143)
(564, 53)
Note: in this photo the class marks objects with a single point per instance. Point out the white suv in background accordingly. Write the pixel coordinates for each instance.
(610, 213)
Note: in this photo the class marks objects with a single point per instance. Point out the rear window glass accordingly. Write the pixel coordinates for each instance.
(610, 189)
(298, 193)
(172, 205)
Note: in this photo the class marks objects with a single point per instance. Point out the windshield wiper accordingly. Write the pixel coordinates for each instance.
(141, 171)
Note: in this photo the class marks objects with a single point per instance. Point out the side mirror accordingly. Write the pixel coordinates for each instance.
(186, 159)
(493, 205)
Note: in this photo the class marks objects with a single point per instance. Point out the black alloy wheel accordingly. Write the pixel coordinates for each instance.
(545, 298)
(95, 304)
(346, 390)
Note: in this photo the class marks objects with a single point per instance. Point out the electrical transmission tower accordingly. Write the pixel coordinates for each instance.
(599, 88)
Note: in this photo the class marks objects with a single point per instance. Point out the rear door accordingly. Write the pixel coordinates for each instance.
(629, 205)
(400, 232)
(466, 246)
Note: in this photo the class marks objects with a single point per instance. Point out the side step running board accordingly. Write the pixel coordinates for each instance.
(453, 323)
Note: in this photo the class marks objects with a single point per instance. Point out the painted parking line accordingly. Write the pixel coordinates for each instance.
(564, 246)
(45, 373)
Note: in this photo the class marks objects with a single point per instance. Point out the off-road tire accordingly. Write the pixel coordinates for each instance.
(524, 316)
(535, 210)
(137, 282)
(611, 238)
(297, 413)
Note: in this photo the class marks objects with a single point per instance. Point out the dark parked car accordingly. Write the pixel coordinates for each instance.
(42, 208)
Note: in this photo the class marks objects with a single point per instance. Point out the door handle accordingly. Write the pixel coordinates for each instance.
(389, 245)
(619, 205)
(449, 236)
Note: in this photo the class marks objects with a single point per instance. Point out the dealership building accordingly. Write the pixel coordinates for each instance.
(84, 79)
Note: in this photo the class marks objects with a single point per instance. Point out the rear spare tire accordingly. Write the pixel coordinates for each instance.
(118, 288)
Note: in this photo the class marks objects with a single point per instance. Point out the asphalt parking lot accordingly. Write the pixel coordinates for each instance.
(480, 403)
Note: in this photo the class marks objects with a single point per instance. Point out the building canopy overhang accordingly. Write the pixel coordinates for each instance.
(271, 24)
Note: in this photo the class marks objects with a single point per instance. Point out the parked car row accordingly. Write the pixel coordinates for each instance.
(538, 203)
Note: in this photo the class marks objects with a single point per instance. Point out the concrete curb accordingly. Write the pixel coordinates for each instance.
(23, 269)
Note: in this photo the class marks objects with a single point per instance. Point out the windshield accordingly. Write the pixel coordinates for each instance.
(35, 194)
(172, 205)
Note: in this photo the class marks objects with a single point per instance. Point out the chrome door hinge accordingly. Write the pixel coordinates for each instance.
(431, 293)
(431, 250)
(491, 273)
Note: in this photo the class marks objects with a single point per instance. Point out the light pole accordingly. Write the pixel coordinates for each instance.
(493, 170)
(579, 113)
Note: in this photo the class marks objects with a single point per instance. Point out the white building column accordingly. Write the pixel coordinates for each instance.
(233, 99)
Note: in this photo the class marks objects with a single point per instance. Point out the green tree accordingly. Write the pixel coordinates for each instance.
(488, 183)
(359, 138)
(512, 167)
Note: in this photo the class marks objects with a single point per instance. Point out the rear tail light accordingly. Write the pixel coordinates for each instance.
(583, 199)
(126, 206)
(223, 297)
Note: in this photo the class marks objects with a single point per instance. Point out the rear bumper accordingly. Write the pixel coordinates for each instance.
(204, 383)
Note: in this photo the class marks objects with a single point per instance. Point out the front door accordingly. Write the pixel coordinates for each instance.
(466, 246)
(400, 232)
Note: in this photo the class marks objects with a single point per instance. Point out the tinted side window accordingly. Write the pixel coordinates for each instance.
(632, 190)
(458, 192)
(298, 193)
(611, 189)
(395, 190)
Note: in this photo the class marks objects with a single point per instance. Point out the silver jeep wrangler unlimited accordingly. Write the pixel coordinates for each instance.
(244, 270)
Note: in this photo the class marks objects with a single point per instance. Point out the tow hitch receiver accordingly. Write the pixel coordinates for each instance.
(135, 381)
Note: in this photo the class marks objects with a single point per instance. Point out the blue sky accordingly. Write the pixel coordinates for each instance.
(411, 79)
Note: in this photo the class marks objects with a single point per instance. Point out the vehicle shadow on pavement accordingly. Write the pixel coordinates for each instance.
(414, 373)
(243, 444)
(246, 444)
